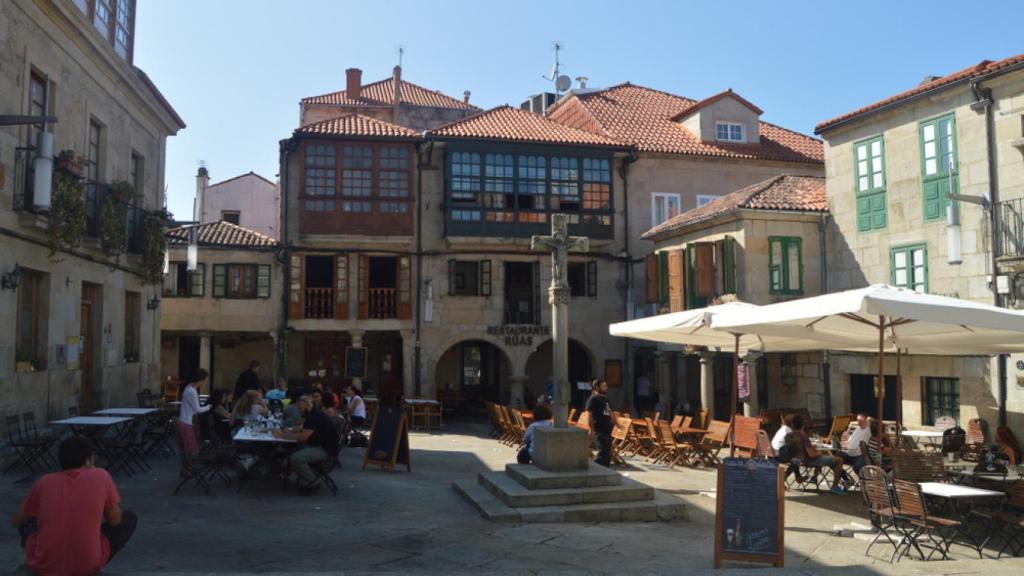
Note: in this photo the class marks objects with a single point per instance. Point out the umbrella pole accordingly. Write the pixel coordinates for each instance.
(899, 396)
(880, 388)
(735, 388)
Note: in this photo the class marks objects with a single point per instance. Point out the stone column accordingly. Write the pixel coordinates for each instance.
(357, 342)
(517, 391)
(408, 357)
(204, 360)
(707, 381)
(753, 405)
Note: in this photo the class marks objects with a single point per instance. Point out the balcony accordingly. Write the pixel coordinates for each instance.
(24, 177)
(1010, 237)
(382, 303)
(319, 303)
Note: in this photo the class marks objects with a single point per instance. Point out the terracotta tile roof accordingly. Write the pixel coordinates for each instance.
(783, 192)
(643, 117)
(358, 125)
(980, 69)
(515, 125)
(219, 234)
(382, 93)
(716, 98)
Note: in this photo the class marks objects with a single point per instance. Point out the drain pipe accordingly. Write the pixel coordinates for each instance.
(627, 363)
(424, 153)
(286, 147)
(826, 366)
(983, 100)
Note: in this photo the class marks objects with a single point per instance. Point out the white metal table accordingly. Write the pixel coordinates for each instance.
(125, 412)
(94, 427)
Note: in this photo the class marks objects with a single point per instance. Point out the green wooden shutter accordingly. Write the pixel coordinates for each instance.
(729, 265)
(663, 277)
(263, 281)
(775, 258)
(939, 165)
(219, 280)
(197, 281)
(485, 277)
(592, 278)
(869, 183)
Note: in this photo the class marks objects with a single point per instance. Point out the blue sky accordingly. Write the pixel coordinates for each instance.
(236, 69)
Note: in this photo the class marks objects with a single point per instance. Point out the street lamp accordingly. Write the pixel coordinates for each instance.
(12, 279)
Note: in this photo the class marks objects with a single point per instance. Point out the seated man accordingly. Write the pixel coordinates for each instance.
(62, 520)
(321, 444)
(815, 459)
(279, 393)
(862, 433)
(541, 419)
(783, 455)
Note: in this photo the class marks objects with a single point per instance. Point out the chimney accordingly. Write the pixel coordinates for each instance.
(353, 83)
(396, 78)
(202, 181)
(581, 81)
(465, 97)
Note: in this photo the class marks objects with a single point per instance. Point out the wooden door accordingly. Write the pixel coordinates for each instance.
(325, 362)
(390, 369)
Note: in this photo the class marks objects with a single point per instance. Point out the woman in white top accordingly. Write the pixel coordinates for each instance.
(189, 408)
(356, 407)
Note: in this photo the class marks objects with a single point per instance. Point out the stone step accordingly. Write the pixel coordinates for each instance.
(662, 508)
(534, 478)
(515, 495)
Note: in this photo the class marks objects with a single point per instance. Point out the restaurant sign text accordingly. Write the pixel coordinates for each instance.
(518, 335)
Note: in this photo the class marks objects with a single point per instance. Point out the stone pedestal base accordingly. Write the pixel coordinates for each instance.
(561, 449)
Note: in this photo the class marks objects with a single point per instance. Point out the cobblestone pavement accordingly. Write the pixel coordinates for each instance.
(411, 523)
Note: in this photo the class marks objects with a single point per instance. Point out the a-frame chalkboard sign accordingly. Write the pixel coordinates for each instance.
(750, 512)
(389, 440)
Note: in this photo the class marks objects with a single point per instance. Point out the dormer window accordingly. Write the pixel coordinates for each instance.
(730, 132)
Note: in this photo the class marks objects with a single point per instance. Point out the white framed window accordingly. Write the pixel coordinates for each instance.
(730, 132)
(664, 205)
(703, 199)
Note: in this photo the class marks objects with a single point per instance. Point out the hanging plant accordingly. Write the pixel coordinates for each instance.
(154, 246)
(67, 210)
(114, 218)
(67, 161)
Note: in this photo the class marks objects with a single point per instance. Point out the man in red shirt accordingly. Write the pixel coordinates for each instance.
(62, 521)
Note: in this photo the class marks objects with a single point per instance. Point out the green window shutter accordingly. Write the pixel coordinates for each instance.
(775, 265)
(485, 277)
(263, 281)
(939, 165)
(592, 278)
(663, 277)
(785, 265)
(197, 281)
(870, 184)
(908, 266)
(795, 266)
(729, 265)
(219, 280)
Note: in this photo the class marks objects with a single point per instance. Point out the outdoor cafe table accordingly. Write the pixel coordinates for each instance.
(131, 412)
(94, 427)
(958, 499)
(264, 444)
(933, 437)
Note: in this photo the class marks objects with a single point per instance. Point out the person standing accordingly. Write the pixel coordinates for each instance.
(189, 408)
(643, 394)
(248, 380)
(601, 422)
(71, 523)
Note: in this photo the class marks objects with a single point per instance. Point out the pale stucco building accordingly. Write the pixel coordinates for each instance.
(81, 329)
(247, 200)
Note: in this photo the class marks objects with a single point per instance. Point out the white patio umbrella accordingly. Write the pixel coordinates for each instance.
(893, 318)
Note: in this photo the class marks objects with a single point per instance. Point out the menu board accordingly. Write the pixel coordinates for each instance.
(355, 362)
(389, 440)
(750, 512)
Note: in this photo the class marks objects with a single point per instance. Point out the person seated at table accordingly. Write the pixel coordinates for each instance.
(280, 392)
(779, 444)
(542, 418)
(220, 405)
(321, 444)
(292, 414)
(814, 459)
(356, 406)
(72, 522)
(861, 433)
(250, 405)
(885, 454)
(328, 399)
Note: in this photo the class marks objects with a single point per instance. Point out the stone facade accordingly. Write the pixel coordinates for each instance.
(87, 79)
(858, 258)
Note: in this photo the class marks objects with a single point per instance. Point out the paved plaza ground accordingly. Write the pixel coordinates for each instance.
(402, 523)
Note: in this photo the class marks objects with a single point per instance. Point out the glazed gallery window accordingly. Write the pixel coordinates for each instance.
(320, 178)
(393, 180)
(180, 283)
(785, 265)
(469, 277)
(941, 398)
(356, 178)
(664, 206)
(729, 132)
(241, 281)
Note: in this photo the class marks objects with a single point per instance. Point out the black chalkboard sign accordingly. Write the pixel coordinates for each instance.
(389, 440)
(355, 362)
(750, 512)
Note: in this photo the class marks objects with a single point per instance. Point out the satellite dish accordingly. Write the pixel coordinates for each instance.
(563, 83)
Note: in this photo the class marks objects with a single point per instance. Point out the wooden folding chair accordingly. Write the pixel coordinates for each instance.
(881, 505)
(584, 420)
(620, 439)
(676, 452)
(712, 442)
(974, 444)
(916, 523)
(919, 466)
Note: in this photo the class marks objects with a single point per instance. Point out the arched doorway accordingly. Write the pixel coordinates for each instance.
(538, 371)
(472, 372)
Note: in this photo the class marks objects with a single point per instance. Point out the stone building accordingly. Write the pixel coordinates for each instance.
(225, 313)
(891, 167)
(760, 244)
(686, 153)
(77, 332)
(392, 100)
(248, 200)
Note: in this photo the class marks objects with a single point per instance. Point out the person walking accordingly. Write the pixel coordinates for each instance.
(601, 422)
(248, 380)
(189, 408)
(71, 523)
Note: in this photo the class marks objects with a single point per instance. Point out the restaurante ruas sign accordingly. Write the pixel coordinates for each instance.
(518, 335)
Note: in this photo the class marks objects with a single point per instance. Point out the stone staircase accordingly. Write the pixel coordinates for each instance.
(526, 493)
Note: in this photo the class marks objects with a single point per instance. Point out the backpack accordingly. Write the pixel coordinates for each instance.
(357, 440)
(791, 448)
(953, 439)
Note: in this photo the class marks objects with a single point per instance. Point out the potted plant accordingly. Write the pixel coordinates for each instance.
(67, 161)
(67, 212)
(114, 218)
(27, 362)
(154, 246)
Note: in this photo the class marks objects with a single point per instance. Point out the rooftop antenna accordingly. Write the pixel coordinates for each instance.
(562, 82)
(401, 52)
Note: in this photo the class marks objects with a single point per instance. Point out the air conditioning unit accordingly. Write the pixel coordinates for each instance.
(539, 103)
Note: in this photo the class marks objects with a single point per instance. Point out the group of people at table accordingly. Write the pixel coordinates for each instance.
(792, 443)
(315, 421)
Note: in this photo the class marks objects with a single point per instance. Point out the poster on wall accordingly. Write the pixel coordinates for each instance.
(74, 350)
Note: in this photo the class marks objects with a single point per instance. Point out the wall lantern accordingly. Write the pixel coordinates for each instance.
(12, 279)
(153, 303)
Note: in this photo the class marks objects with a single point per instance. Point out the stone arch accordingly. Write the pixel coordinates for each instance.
(537, 368)
(461, 357)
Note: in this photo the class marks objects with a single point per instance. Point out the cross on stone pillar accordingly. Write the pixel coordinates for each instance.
(560, 244)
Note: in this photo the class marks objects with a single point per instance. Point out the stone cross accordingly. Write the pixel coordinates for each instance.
(560, 244)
